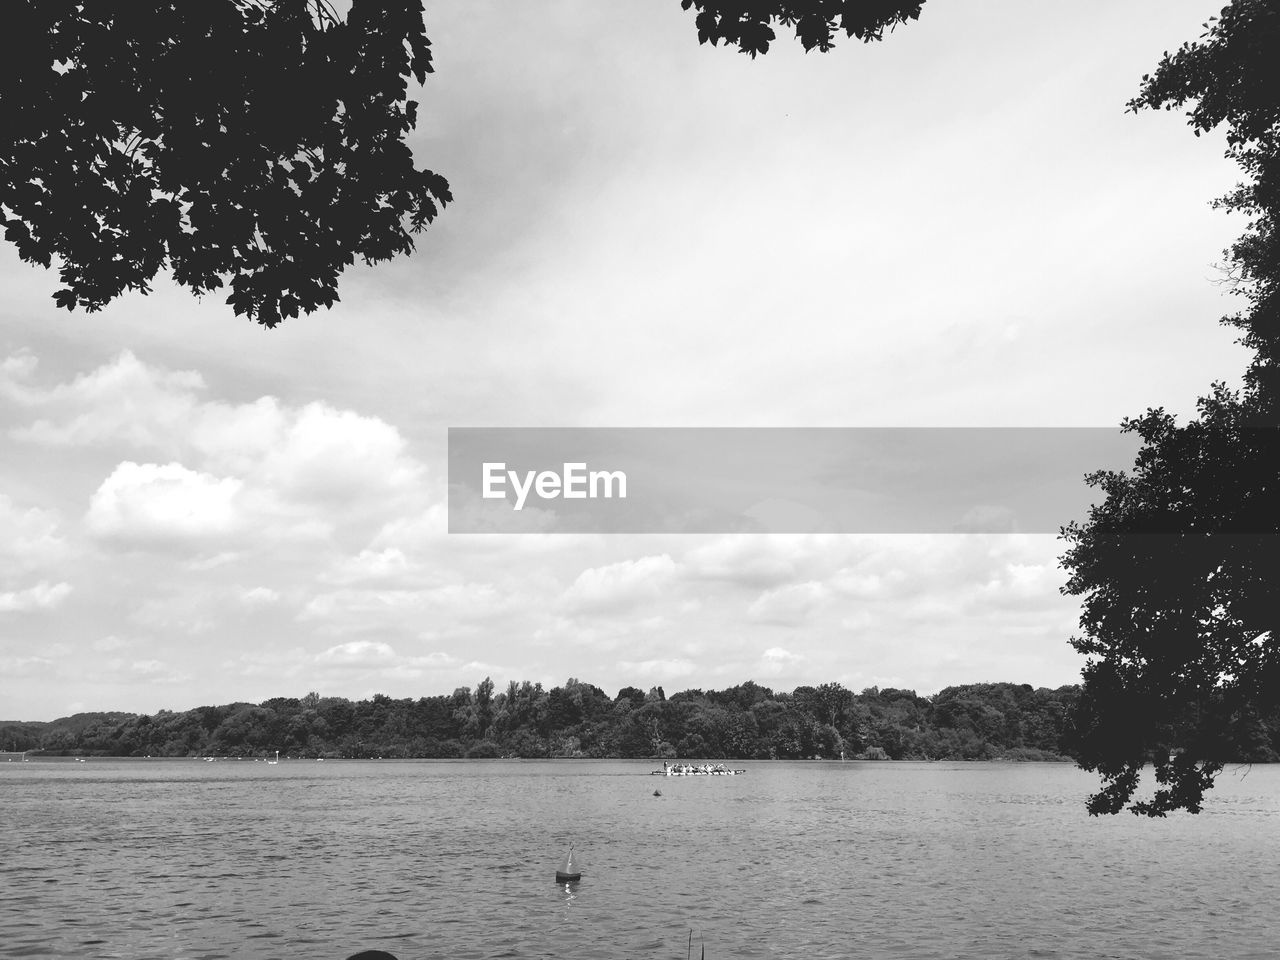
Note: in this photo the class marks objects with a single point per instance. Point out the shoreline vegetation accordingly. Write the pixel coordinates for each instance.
(981, 721)
(986, 721)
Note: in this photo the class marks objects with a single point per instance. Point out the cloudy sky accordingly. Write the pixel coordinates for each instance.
(958, 227)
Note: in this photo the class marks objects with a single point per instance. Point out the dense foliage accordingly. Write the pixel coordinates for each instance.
(747, 24)
(259, 144)
(749, 721)
(255, 142)
(1177, 566)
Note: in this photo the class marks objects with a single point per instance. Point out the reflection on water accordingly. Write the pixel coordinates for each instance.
(174, 859)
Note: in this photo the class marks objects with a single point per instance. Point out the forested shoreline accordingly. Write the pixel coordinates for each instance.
(982, 721)
(749, 721)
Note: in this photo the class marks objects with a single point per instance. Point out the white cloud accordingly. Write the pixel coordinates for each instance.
(122, 401)
(259, 596)
(776, 661)
(18, 366)
(1025, 586)
(619, 587)
(749, 560)
(329, 455)
(288, 472)
(790, 604)
(43, 596)
(414, 532)
(359, 653)
(237, 437)
(316, 453)
(386, 566)
(327, 606)
(29, 538)
(147, 503)
(379, 659)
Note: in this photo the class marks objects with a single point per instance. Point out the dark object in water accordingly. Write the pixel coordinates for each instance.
(569, 871)
(372, 955)
(657, 793)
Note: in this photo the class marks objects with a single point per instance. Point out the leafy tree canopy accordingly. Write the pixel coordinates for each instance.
(748, 24)
(979, 721)
(1177, 566)
(258, 143)
(255, 144)
(1231, 79)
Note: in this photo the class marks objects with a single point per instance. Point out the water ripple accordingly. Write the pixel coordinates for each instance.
(894, 861)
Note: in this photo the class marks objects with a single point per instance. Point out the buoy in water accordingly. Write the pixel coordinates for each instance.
(569, 871)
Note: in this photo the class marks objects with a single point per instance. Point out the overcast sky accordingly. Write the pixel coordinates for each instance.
(958, 227)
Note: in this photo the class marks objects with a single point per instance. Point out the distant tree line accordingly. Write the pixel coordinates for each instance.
(749, 721)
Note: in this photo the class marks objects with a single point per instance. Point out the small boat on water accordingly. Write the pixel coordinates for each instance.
(695, 770)
(569, 871)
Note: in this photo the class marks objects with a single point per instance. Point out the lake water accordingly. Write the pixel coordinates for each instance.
(164, 858)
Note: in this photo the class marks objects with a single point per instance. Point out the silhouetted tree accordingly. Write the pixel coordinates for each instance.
(258, 144)
(1176, 567)
(748, 24)
(255, 142)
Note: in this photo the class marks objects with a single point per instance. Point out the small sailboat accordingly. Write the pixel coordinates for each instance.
(569, 871)
(277, 759)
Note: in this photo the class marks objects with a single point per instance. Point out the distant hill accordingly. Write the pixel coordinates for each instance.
(79, 722)
(63, 733)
